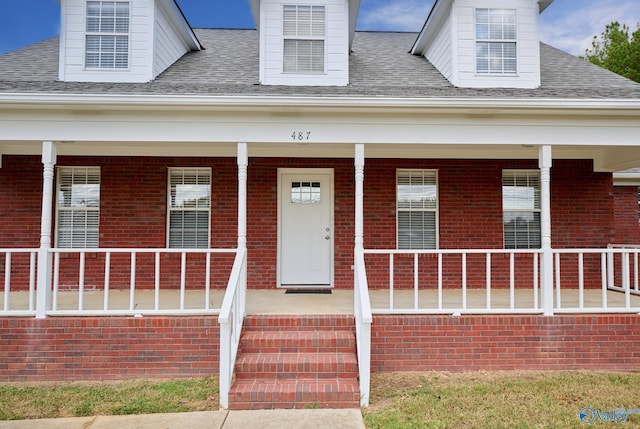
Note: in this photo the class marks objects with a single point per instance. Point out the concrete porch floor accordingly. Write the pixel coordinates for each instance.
(276, 301)
(341, 301)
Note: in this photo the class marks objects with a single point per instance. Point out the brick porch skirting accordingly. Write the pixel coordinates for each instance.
(108, 348)
(505, 342)
(111, 348)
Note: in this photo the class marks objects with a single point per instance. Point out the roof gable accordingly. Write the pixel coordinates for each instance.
(455, 39)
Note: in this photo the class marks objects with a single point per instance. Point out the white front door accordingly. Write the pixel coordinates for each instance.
(305, 246)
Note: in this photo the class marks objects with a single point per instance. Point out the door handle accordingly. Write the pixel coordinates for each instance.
(327, 238)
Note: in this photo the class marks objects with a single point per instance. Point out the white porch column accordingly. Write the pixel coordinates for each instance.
(546, 283)
(243, 161)
(359, 214)
(43, 300)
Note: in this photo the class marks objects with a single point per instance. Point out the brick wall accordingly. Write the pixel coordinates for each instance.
(20, 201)
(134, 211)
(470, 202)
(471, 343)
(108, 348)
(626, 215)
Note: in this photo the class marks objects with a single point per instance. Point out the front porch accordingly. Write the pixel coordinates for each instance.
(389, 291)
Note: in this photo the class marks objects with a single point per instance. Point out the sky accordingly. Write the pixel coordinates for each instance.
(567, 24)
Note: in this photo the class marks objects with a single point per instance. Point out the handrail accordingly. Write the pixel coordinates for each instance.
(449, 251)
(364, 318)
(231, 319)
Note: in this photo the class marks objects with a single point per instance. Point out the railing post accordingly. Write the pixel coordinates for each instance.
(359, 213)
(234, 302)
(546, 283)
(243, 160)
(43, 294)
(362, 306)
(243, 163)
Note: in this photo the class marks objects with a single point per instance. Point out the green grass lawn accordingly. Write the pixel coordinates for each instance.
(19, 401)
(518, 399)
(499, 399)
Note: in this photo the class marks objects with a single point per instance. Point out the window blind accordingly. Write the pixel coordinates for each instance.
(304, 34)
(521, 209)
(78, 214)
(189, 207)
(107, 39)
(417, 205)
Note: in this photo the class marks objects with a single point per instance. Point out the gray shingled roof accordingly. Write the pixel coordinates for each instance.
(380, 66)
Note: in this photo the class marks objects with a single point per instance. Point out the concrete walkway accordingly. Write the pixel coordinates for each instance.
(267, 419)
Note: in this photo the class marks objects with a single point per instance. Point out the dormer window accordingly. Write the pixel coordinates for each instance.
(107, 35)
(496, 37)
(304, 39)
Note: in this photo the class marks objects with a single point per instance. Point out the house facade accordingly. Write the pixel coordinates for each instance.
(459, 181)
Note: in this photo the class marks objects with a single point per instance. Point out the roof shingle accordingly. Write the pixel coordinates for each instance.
(380, 66)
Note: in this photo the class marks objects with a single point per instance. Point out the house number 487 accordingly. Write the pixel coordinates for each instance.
(299, 136)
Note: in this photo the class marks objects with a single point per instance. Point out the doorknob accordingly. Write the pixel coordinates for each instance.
(327, 237)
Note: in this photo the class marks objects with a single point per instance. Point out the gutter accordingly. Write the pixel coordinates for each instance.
(160, 102)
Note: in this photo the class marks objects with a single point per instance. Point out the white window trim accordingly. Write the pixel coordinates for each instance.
(538, 210)
(499, 41)
(305, 38)
(436, 210)
(170, 209)
(88, 33)
(60, 209)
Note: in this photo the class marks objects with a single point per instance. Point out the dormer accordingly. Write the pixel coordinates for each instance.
(305, 42)
(484, 43)
(121, 41)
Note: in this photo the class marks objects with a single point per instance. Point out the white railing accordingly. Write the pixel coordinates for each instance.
(231, 319)
(364, 318)
(448, 289)
(165, 292)
(499, 281)
(21, 277)
(626, 250)
(610, 275)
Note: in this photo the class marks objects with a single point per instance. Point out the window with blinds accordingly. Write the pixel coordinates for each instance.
(496, 37)
(521, 208)
(189, 207)
(304, 39)
(78, 207)
(417, 209)
(107, 38)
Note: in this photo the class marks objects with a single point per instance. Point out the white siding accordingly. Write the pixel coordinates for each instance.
(73, 42)
(440, 51)
(168, 46)
(528, 46)
(336, 46)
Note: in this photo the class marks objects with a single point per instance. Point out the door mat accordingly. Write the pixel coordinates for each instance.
(310, 291)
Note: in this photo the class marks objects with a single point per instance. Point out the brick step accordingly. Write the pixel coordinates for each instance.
(296, 361)
(300, 393)
(297, 341)
(277, 366)
(277, 322)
